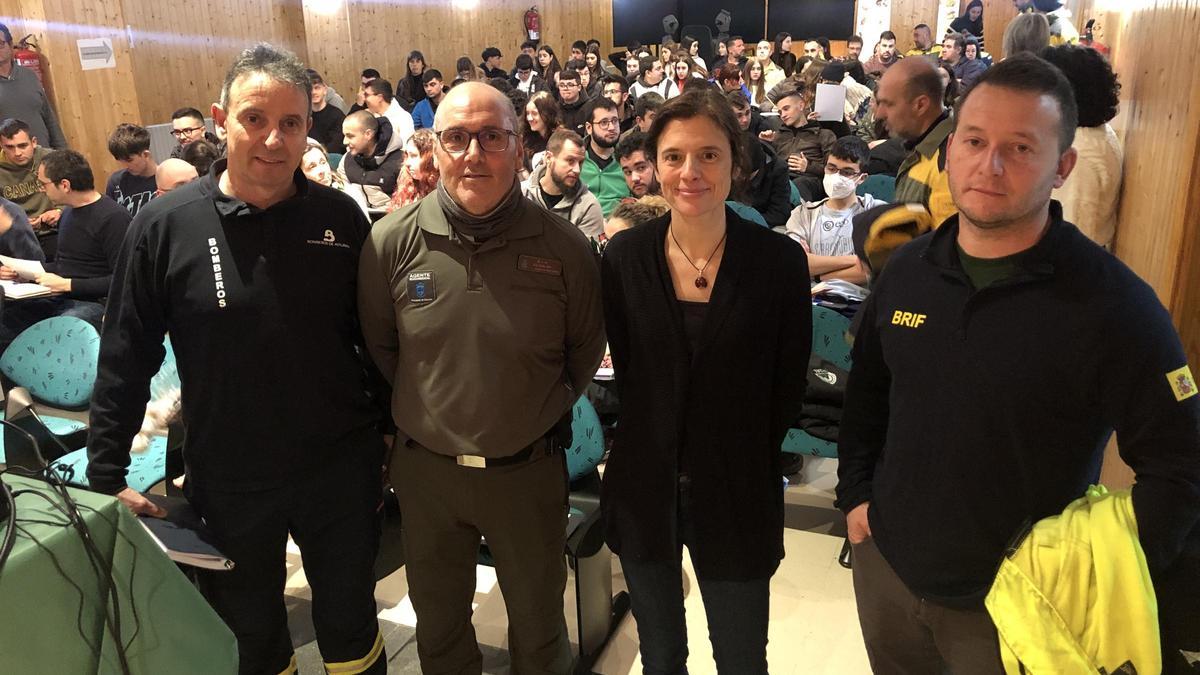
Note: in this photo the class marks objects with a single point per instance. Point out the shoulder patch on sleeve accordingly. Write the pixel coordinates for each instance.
(1183, 385)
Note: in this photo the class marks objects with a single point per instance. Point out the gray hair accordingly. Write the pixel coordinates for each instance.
(1026, 33)
(277, 64)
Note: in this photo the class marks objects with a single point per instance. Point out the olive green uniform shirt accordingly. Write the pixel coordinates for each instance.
(486, 345)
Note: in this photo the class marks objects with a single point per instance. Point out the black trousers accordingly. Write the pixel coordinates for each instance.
(334, 519)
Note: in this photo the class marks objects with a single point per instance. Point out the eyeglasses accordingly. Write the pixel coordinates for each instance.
(185, 132)
(607, 124)
(459, 140)
(568, 84)
(845, 173)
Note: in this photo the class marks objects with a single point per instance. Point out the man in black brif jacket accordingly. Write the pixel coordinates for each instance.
(996, 357)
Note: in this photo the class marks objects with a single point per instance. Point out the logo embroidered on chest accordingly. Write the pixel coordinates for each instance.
(421, 287)
(907, 319)
(329, 239)
(218, 275)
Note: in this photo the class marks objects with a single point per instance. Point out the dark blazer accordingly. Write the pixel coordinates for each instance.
(723, 413)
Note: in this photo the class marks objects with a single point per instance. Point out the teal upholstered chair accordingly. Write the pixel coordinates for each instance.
(147, 468)
(747, 212)
(880, 187)
(335, 160)
(829, 343)
(794, 197)
(55, 361)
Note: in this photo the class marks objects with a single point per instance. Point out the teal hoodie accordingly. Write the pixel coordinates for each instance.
(608, 185)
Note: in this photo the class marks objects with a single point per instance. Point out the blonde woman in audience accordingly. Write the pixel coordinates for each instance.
(418, 175)
(1027, 33)
(315, 165)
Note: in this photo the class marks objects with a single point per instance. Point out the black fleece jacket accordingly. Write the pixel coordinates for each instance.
(970, 414)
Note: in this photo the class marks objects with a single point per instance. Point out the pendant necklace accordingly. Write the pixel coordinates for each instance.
(701, 282)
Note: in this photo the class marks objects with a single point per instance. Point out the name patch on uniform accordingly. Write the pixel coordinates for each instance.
(532, 263)
(1183, 385)
(421, 287)
(908, 319)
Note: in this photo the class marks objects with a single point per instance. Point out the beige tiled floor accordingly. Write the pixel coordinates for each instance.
(813, 628)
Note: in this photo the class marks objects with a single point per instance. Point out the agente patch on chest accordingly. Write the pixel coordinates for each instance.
(907, 319)
(421, 287)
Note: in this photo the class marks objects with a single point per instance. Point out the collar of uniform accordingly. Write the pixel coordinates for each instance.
(232, 206)
(1038, 260)
(937, 132)
(431, 219)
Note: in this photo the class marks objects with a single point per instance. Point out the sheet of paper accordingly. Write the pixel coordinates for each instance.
(831, 102)
(27, 269)
(17, 290)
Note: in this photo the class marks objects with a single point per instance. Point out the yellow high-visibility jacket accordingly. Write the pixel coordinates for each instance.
(1076, 597)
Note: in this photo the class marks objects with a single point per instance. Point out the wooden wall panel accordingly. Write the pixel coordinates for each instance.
(996, 15)
(380, 35)
(182, 51)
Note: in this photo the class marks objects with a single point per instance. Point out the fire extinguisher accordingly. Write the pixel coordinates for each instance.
(533, 23)
(27, 55)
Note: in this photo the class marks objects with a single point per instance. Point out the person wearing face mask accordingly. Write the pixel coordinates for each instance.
(825, 228)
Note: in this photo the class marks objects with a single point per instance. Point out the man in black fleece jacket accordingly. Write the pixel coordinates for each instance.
(996, 357)
(89, 238)
(252, 270)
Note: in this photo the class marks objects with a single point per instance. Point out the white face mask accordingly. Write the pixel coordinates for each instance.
(838, 186)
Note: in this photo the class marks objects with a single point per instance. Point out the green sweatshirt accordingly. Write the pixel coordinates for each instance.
(19, 184)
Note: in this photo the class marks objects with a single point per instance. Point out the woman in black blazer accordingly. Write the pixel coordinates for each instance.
(710, 324)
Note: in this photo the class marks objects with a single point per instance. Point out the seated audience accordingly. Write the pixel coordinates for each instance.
(616, 90)
(172, 173)
(1089, 195)
(326, 117)
(490, 65)
(17, 239)
(548, 67)
(541, 119)
(201, 154)
(802, 143)
(972, 64)
(651, 78)
(132, 186)
(769, 191)
(373, 156)
(631, 213)
(1027, 33)
(601, 172)
(636, 166)
(854, 47)
(754, 82)
(19, 161)
(825, 228)
(644, 110)
(410, 89)
(315, 165)
(970, 23)
(573, 103)
(381, 103)
(366, 76)
(923, 44)
(90, 232)
(885, 56)
(187, 125)
(433, 91)
(910, 101)
(525, 78)
(418, 174)
(782, 56)
(589, 86)
(555, 185)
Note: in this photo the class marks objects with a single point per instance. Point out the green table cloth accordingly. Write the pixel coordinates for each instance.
(53, 602)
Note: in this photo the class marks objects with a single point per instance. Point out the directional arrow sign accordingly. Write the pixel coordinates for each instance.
(96, 53)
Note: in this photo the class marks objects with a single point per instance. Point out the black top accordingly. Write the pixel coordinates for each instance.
(693, 322)
(130, 190)
(89, 240)
(970, 413)
(327, 128)
(736, 397)
(548, 199)
(261, 308)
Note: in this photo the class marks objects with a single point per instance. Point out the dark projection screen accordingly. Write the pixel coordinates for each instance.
(642, 20)
(833, 19)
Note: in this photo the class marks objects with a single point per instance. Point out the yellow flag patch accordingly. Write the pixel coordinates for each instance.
(1182, 383)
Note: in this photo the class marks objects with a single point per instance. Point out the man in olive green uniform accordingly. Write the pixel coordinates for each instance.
(484, 310)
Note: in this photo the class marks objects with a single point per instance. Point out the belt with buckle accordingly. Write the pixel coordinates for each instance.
(535, 449)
